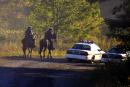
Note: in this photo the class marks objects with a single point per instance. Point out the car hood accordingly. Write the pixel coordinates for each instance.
(122, 54)
(113, 55)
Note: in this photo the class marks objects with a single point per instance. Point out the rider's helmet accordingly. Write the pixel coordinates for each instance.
(29, 28)
(50, 29)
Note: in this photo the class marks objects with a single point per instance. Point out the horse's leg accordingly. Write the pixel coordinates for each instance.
(50, 48)
(28, 55)
(49, 53)
(44, 51)
(30, 52)
(27, 52)
(40, 51)
(48, 56)
(24, 52)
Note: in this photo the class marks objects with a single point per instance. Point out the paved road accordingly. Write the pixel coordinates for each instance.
(21, 72)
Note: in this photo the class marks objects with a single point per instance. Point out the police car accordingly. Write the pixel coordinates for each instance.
(86, 50)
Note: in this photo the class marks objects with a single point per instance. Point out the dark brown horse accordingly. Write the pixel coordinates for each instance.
(28, 45)
(47, 43)
(44, 45)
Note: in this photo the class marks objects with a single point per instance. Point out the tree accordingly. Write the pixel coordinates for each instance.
(120, 28)
(72, 18)
(12, 14)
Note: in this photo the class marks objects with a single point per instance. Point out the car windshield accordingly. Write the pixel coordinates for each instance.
(81, 46)
(116, 50)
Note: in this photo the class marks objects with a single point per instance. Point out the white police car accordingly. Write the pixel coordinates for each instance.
(86, 50)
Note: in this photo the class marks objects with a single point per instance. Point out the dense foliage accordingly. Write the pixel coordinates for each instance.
(71, 19)
(123, 32)
(13, 14)
(120, 28)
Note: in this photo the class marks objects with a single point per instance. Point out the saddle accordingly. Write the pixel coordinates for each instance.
(47, 44)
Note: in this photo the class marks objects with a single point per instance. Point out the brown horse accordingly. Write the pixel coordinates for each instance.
(28, 44)
(44, 45)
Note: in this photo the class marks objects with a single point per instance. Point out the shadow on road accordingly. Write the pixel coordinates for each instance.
(36, 77)
(55, 60)
(53, 77)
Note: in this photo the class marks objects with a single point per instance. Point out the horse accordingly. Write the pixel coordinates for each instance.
(28, 44)
(44, 45)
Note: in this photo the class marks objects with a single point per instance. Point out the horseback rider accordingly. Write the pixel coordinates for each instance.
(49, 34)
(29, 32)
(29, 35)
(49, 37)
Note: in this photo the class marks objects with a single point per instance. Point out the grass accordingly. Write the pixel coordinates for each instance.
(55, 53)
(13, 49)
(10, 44)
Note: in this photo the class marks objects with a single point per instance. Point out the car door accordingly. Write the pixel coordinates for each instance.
(96, 52)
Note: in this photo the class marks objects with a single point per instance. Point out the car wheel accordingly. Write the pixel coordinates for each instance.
(93, 58)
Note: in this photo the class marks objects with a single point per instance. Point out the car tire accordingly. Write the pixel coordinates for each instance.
(93, 58)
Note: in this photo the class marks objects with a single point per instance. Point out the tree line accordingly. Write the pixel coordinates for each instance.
(71, 19)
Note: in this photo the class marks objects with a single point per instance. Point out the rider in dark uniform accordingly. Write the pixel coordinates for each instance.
(29, 35)
(49, 36)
